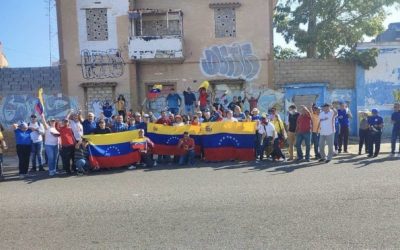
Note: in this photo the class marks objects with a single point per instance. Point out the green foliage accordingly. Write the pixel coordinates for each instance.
(322, 28)
(364, 58)
(285, 53)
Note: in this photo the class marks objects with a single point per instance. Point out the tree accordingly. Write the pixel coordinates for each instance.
(285, 53)
(330, 28)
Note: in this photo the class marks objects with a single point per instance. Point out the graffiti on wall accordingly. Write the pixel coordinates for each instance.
(16, 108)
(97, 64)
(231, 61)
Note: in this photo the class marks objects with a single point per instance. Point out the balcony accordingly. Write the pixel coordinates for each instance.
(156, 48)
(156, 36)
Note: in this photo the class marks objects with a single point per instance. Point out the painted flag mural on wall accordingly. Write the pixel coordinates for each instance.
(39, 106)
(224, 141)
(114, 150)
(166, 138)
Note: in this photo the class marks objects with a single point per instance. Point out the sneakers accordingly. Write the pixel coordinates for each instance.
(22, 176)
(392, 155)
(41, 169)
(321, 160)
(132, 167)
(327, 161)
(33, 169)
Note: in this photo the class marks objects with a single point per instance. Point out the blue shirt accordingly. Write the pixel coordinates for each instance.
(190, 98)
(173, 100)
(256, 118)
(343, 118)
(88, 127)
(396, 120)
(23, 137)
(374, 121)
(120, 127)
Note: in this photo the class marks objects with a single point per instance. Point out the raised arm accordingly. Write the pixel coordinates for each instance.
(259, 95)
(46, 126)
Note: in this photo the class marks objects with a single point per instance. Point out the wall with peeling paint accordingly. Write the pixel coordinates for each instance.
(379, 87)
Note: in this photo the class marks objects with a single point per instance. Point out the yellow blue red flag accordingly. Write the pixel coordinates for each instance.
(114, 150)
(166, 138)
(223, 141)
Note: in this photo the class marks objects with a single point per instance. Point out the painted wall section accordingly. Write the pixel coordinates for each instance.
(379, 87)
(232, 61)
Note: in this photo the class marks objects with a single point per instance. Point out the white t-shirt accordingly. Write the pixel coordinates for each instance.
(232, 119)
(269, 129)
(77, 129)
(49, 138)
(36, 136)
(327, 123)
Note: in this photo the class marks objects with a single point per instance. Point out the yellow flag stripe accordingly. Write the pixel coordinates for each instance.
(113, 138)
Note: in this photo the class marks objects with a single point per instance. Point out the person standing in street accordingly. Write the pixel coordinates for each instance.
(303, 133)
(375, 123)
(363, 133)
(327, 132)
(396, 129)
(51, 144)
(344, 116)
(24, 147)
(67, 146)
(316, 126)
(292, 125)
(37, 143)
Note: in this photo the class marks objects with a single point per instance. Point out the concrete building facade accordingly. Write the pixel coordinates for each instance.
(113, 47)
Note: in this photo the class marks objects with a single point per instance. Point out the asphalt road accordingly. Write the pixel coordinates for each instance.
(351, 203)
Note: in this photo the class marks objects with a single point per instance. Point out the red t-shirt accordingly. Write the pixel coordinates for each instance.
(303, 124)
(187, 144)
(67, 136)
(163, 121)
(203, 98)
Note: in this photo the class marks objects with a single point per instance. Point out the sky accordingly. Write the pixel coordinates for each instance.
(24, 32)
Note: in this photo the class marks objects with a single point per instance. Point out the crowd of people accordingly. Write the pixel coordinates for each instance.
(325, 128)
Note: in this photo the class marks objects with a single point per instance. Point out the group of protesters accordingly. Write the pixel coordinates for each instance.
(326, 128)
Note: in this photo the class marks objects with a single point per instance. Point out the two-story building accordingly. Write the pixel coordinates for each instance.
(113, 47)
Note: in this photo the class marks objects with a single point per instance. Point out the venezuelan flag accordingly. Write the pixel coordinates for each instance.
(223, 141)
(114, 150)
(166, 138)
(39, 103)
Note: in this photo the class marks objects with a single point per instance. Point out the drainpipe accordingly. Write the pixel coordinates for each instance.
(138, 89)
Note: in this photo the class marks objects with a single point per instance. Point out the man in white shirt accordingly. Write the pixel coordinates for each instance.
(327, 132)
(268, 135)
(37, 143)
(229, 117)
(76, 125)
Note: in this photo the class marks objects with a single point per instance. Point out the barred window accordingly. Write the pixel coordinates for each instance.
(225, 22)
(96, 24)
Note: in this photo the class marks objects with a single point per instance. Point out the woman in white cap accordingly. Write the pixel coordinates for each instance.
(51, 144)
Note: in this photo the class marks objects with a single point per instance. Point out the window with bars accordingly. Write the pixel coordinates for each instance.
(225, 22)
(159, 24)
(97, 24)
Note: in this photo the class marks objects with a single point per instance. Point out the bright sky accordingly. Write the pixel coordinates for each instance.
(24, 32)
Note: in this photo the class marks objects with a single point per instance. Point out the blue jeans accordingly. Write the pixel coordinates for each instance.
(82, 165)
(299, 140)
(174, 111)
(52, 155)
(315, 141)
(189, 109)
(188, 157)
(395, 136)
(36, 154)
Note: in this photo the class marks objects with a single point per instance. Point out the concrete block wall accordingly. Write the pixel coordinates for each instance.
(338, 75)
(29, 80)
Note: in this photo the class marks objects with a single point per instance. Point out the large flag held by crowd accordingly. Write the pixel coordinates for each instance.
(114, 150)
(222, 141)
(166, 138)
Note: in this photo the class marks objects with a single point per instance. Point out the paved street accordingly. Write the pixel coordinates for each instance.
(353, 202)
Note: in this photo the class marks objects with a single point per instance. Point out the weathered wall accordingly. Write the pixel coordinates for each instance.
(338, 75)
(29, 80)
(379, 87)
